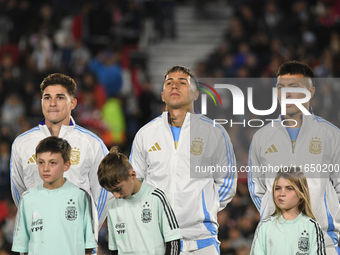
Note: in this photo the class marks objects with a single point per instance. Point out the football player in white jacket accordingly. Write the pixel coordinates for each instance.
(311, 143)
(167, 151)
(58, 100)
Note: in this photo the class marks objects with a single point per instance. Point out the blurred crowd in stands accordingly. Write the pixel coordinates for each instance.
(102, 44)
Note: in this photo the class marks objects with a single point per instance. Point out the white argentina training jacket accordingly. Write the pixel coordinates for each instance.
(317, 152)
(87, 152)
(195, 201)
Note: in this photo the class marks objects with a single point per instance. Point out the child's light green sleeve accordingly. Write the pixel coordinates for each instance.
(21, 236)
(258, 246)
(89, 231)
(316, 239)
(167, 219)
(111, 236)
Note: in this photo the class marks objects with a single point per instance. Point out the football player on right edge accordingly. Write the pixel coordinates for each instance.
(310, 142)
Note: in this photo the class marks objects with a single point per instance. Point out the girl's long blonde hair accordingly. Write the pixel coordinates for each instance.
(298, 180)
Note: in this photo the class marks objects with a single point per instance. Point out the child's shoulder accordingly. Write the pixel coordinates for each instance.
(158, 193)
(148, 186)
(70, 186)
(266, 223)
(75, 188)
(29, 193)
(309, 221)
(305, 217)
(154, 192)
(148, 189)
(268, 220)
(77, 192)
(310, 225)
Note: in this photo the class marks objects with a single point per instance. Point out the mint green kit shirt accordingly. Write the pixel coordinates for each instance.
(277, 236)
(55, 221)
(141, 224)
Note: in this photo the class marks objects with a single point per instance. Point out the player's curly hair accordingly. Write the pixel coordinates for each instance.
(298, 180)
(113, 169)
(60, 79)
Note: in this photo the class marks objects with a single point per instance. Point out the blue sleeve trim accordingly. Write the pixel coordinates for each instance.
(331, 227)
(225, 188)
(130, 158)
(337, 250)
(29, 131)
(251, 184)
(83, 130)
(206, 242)
(101, 202)
(16, 192)
(103, 193)
(319, 119)
(230, 175)
(207, 222)
(264, 208)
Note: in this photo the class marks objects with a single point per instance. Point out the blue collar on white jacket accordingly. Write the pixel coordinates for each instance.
(42, 122)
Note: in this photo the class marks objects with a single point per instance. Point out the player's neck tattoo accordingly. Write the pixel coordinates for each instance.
(172, 120)
(176, 117)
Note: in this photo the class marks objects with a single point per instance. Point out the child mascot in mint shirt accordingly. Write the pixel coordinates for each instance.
(54, 217)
